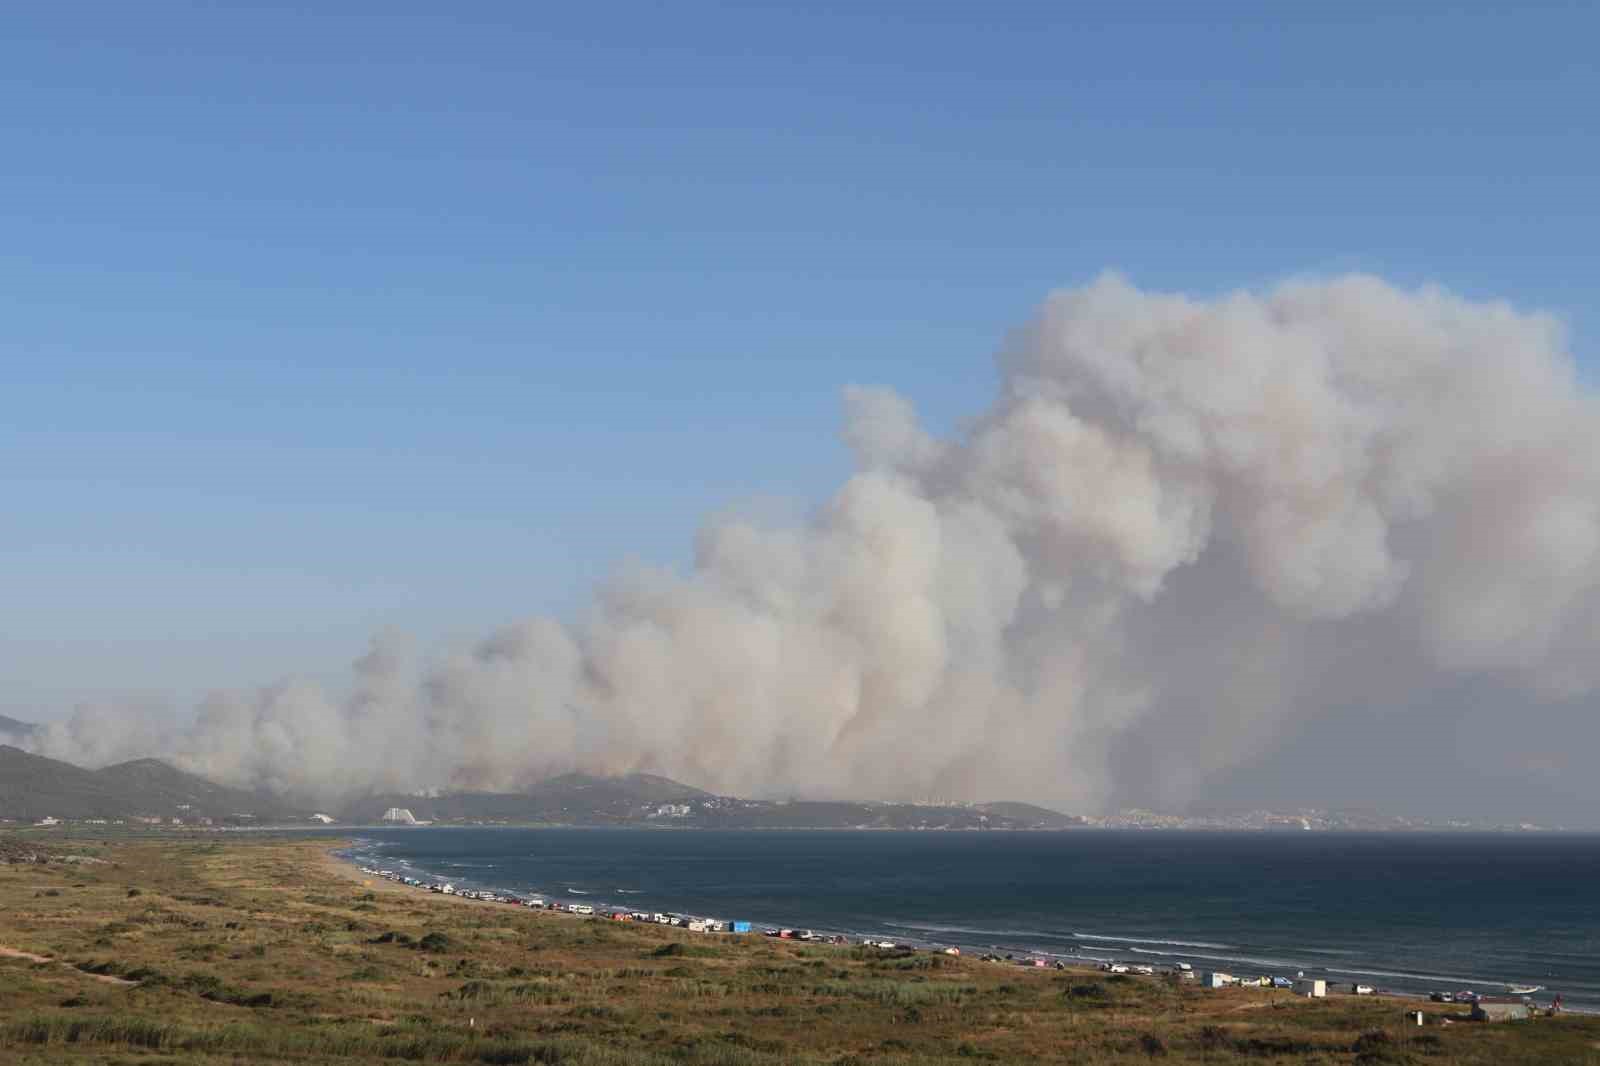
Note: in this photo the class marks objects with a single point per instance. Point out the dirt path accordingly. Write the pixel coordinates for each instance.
(103, 978)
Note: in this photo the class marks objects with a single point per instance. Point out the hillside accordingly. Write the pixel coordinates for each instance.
(1031, 816)
(610, 791)
(568, 799)
(648, 799)
(34, 787)
(12, 729)
(161, 786)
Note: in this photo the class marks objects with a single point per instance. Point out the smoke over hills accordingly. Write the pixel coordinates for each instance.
(1183, 530)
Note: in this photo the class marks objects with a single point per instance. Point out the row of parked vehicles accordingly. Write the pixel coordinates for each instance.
(810, 937)
(693, 924)
(713, 925)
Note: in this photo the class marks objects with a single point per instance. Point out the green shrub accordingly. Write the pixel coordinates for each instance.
(679, 950)
(1152, 1045)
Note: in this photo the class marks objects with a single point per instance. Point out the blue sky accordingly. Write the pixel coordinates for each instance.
(328, 319)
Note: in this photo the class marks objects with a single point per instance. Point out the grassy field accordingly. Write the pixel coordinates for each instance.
(231, 950)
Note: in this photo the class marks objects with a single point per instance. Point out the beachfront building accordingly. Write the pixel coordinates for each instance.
(1314, 987)
(1499, 1009)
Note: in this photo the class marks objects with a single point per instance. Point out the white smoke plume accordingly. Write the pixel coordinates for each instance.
(1182, 527)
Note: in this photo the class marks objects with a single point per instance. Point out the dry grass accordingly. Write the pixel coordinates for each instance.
(263, 951)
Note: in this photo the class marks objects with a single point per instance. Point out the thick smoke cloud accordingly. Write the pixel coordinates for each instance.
(1182, 530)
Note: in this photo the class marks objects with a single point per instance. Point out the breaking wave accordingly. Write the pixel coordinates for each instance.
(1407, 976)
(1144, 940)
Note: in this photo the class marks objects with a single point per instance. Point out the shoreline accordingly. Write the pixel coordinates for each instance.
(261, 949)
(346, 865)
(347, 868)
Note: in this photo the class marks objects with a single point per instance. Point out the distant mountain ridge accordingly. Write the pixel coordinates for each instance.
(13, 729)
(648, 799)
(574, 798)
(33, 787)
(646, 787)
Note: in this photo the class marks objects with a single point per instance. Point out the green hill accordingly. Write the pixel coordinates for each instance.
(648, 799)
(162, 786)
(574, 799)
(1029, 816)
(34, 787)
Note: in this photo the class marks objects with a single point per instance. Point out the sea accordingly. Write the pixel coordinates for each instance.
(1408, 913)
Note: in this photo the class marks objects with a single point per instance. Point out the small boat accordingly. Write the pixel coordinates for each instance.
(1524, 990)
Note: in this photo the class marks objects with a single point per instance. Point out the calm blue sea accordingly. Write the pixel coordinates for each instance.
(1411, 913)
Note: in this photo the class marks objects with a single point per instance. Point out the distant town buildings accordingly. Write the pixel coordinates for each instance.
(399, 816)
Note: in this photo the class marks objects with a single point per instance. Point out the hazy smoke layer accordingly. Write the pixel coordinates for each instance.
(1181, 527)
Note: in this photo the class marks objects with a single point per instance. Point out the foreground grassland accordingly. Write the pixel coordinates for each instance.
(240, 951)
